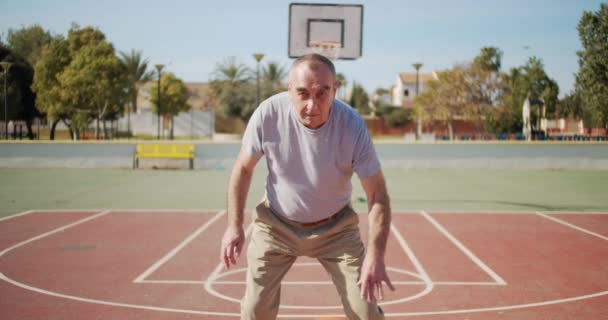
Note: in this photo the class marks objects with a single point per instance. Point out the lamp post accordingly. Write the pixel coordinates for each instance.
(5, 66)
(159, 68)
(417, 66)
(258, 57)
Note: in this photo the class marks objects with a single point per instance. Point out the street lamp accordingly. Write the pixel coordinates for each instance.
(258, 57)
(417, 66)
(5, 66)
(159, 68)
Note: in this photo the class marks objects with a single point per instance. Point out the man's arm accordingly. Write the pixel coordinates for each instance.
(373, 271)
(238, 187)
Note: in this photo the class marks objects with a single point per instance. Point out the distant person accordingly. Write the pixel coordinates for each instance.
(313, 144)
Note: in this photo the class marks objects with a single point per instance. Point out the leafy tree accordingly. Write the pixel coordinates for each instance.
(341, 79)
(137, 73)
(359, 99)
(592, 77)
(53, 59)
(80, 78)
(25, 46)
(397, 116)
(273, 79)
(94, 83)
(173, 97)
(444, 99)
(28, 42)
(489, 59)
(571, 106)
(529, 81)
(233, 89)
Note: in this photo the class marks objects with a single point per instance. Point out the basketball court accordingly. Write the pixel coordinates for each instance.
(131, 264)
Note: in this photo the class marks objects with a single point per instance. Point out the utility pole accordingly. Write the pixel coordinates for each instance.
(417, 66)
(6, 66)
(258, 57)
(159, 68)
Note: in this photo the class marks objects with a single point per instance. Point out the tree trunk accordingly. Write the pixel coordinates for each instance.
(28, 125)
(53, 126)
(171, 134)
(105, 129)
(72, 133)
(128, 120)
(97, 128)
(450, 130)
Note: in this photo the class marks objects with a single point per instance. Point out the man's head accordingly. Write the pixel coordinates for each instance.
(312, 88)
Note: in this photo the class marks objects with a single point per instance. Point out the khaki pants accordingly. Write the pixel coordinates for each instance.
(276, 243)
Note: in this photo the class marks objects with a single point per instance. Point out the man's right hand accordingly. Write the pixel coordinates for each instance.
(232, 244)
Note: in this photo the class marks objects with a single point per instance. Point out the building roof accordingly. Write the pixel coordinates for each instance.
(407, 77)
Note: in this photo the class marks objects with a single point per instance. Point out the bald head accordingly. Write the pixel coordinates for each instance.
(313, 62)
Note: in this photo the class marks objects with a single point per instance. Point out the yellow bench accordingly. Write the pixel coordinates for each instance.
(164, 151)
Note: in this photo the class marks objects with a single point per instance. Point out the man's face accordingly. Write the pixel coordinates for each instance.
(312, 93)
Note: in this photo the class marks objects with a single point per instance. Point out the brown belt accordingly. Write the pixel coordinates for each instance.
(319, 222)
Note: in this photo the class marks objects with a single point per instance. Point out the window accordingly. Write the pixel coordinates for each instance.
(406, 93)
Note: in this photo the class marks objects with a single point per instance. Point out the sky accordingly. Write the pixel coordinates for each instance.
(192, 36)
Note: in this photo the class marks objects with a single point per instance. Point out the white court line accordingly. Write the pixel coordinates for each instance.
(113, 304)
(134, 210)
(464, 249)
(210, 281)
(410, 254)
(575, 227)
(298, 283)
(178, 248)
(16, 215)
(46, 234)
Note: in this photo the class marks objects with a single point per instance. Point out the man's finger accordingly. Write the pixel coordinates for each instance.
(238, 249)
(225, 258)
(380, 291)
(363, 285)
(389, 284)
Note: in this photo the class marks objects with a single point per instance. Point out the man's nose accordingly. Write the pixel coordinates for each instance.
(313, 104)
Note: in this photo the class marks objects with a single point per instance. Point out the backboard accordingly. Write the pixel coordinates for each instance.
(335, 30)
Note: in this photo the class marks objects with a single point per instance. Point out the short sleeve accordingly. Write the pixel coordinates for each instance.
(365, 162)
(252, 138)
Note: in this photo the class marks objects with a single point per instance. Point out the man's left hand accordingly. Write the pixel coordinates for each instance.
(373, 273)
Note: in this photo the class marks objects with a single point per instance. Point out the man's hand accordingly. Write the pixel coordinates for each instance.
(232, 244)
(373, 273)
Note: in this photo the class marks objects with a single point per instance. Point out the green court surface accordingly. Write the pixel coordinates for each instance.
(436, 189)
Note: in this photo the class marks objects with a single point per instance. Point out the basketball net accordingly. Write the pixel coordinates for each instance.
(330, 49)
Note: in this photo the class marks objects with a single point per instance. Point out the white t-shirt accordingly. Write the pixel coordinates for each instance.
(309, 170)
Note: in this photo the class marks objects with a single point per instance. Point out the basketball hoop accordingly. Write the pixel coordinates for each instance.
(330, 49)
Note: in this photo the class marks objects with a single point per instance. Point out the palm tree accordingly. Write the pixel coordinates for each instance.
(231, 88)
(231, 71)
(136, 69)
(273, 77)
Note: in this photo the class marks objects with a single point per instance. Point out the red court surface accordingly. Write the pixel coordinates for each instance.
(164, 265)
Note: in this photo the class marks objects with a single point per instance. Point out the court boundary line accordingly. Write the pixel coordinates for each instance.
(571, 225)
(20, 214)
(134, 210)
(56, 230)
(156, 265)
(498, 279)
(234, 282)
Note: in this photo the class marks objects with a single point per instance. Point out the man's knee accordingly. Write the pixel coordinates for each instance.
(254, 308)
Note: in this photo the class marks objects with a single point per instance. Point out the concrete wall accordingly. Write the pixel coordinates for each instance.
(211, 155)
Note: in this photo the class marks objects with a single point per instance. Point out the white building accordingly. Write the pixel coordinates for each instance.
(404, 90)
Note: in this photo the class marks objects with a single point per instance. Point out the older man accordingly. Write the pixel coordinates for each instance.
(313, 144)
